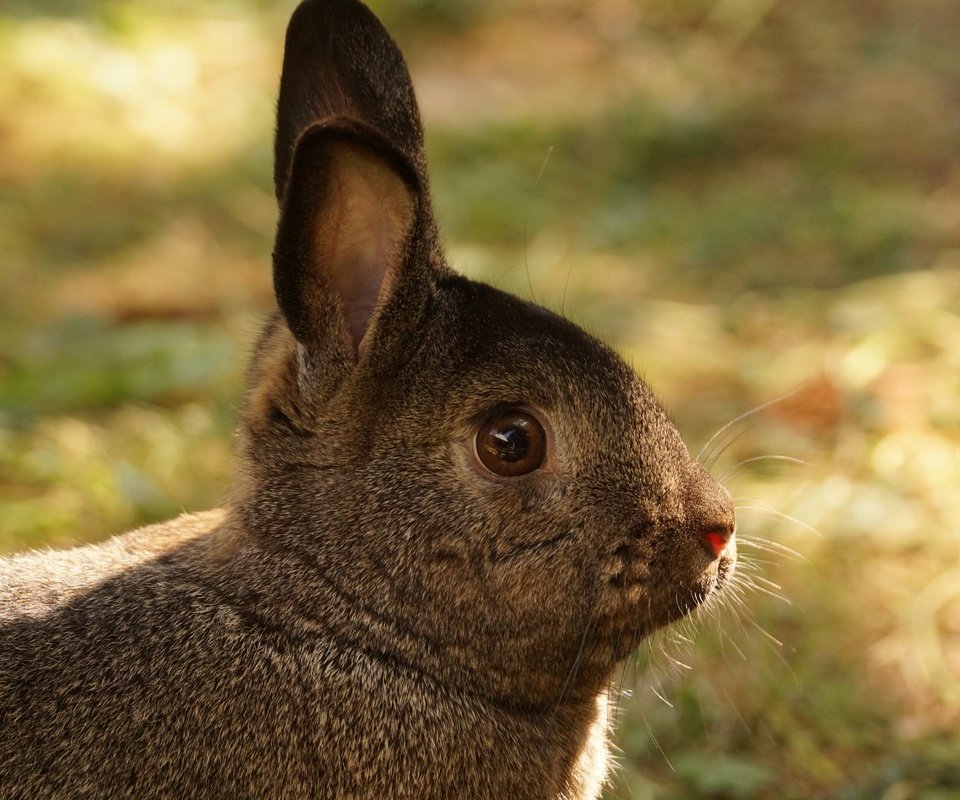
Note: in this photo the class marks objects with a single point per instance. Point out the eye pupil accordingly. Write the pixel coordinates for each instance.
(511, 443)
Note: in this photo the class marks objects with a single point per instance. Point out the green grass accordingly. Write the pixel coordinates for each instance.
(747, 199)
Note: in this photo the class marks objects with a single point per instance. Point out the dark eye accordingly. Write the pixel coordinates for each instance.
(511, 443)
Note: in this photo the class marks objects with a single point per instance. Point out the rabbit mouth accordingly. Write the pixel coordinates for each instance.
(642, 598)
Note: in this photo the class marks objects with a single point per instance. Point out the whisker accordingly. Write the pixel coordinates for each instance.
(769, 584)
(679, 664)
(774, 595)
(775, 646)
(574, 668)
(664, 699)
(738, 620)
(703, 716)
(769, 546)
(722, 635)
(731, 473)
(757, 471)
(736, 709)
(774, 456)
(526, 223)
(768, 636)
(656, 741)
(566, 285)
(744, 415)
(726, 443)
(543, 169)
(781, 515)
(736, 647)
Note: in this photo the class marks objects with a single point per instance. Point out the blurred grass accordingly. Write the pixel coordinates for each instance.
(748, 198)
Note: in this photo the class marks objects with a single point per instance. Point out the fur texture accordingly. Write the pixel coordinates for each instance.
(374, 614)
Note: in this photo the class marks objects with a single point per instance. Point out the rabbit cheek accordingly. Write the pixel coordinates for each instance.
(624, 579)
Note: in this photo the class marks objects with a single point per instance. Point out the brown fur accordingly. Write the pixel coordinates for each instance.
(373, 615)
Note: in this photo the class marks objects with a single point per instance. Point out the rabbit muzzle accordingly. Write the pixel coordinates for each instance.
(666, 567)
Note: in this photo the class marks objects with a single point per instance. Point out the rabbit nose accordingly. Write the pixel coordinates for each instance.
(711, 515)
(715, 539)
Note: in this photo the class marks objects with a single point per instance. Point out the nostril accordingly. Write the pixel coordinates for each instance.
(715, 539)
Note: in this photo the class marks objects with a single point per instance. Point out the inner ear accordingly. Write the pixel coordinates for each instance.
(364, 233)
(345, 227)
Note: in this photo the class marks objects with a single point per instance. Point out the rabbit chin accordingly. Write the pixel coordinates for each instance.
(636, 604)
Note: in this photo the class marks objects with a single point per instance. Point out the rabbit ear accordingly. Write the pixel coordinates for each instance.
(339, 61)
(347, 228)
(356, 229)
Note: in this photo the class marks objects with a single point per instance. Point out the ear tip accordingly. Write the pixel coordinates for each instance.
(340, 61)
(328, 18)
(307, 8)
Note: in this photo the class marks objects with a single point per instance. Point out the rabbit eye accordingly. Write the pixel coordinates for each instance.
(511, 443)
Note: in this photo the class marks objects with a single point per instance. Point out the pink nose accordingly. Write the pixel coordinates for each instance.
(714, 540)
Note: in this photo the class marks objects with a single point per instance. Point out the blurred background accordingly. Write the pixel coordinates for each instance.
(750, 199)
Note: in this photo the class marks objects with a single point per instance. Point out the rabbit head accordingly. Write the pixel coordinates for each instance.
(461, 479)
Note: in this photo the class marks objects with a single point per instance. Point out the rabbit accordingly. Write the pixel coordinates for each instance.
(455, 514)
